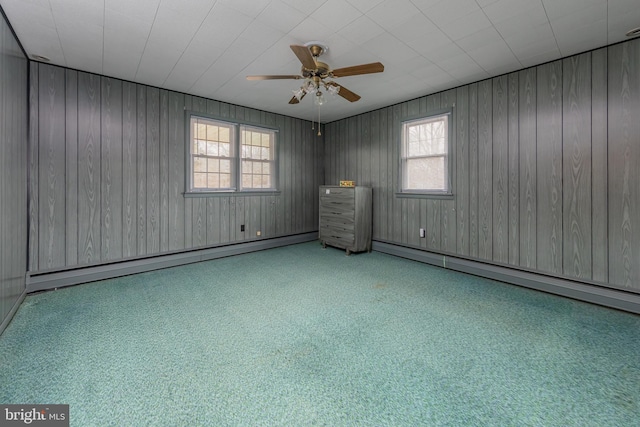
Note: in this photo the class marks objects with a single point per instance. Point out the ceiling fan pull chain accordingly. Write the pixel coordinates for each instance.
(319, 133)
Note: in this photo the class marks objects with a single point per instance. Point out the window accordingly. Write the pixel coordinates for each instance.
(214, 163)
(257, 158)
(425, 155)
(212, 155)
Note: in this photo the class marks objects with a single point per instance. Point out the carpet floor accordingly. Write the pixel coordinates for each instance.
(305, 336)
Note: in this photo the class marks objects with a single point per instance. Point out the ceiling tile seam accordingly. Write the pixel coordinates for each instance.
(218, 58)
(155, 16)
(64, 58)
(188, 44)
(502, 37)
(453, 42)
(607, 23)
(551, 26)
(104, 23)
(230, 44)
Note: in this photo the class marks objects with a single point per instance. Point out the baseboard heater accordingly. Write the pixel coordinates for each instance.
(593, 293)
(60, 278)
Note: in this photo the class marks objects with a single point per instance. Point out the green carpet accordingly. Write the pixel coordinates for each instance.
(300, 336)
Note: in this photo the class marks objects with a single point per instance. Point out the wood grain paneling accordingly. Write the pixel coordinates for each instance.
(462, 170)
(141, 131)
(528, 169)
(71, 171)
(576, 167)
(500, 166)
(152, 190)
(485, 170)
(164, 171)
(624, 158)
(549, 167)
(14, 169)
(52, 156)
(599, 167)
(34, 175)
(89, 243)
(129, 170)
(473, 170)
(514, 171)
(111, 169)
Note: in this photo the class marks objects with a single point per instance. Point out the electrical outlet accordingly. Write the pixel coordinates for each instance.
(242, 227)
(258, 233)
(423, 234)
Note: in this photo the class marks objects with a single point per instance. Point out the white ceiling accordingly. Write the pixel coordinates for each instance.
(208, 47)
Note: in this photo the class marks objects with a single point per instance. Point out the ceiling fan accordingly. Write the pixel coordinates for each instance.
(315, 72)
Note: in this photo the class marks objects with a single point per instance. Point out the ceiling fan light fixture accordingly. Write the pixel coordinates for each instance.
(319, 99)
(299, 93)
(310, 87)
(333, 89)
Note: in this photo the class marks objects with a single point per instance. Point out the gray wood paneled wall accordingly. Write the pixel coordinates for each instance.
(545, 176)
(13, 172)
(107, 168)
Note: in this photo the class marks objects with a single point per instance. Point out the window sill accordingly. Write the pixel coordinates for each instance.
(200, 194)
(441, 196)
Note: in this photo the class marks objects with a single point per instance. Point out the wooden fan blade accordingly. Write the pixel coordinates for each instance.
(295, 100)
(275, 77)
(304, 55)
(374, 67)
(345, 93)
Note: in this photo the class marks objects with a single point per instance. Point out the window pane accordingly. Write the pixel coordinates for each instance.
(266, 168)
(266, 140)
(200, 130)
(256, 138)
(212, 148)
(199, 180)
(425, 174)
(213, 165)
(213, 180)
(225, 180)
(255, 152)
(266, 181)
(257, 168)
(425, 154)
(225, 166)
(225, 150)
(201, 146)
(212, 132)
(246, 180)
(265, 155)
(257, 181)
(199, 164)
(224, 135)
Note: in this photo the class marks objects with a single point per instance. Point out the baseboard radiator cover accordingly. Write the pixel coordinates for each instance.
(587, 292)
(42, 281)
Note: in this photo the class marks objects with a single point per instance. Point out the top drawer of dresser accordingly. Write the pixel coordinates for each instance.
(337, 192)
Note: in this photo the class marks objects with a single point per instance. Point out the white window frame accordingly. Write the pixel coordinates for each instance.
(254, 154)
(427, 152)
(204, 156)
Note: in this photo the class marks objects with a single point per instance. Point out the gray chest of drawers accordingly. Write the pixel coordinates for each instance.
(345, 217)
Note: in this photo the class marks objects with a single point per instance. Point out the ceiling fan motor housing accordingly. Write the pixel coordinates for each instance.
(321, 70)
